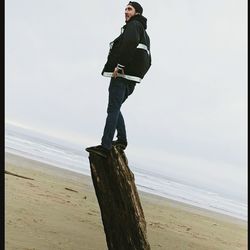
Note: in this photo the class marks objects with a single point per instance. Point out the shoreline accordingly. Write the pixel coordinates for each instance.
(44, 213)
(187, 206)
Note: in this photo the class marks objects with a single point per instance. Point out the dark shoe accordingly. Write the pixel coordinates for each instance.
(99, 150)
(121, 145)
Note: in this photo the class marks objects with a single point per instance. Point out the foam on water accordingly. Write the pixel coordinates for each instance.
(73, 158)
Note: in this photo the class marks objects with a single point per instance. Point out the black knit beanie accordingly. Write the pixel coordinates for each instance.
(137, 7)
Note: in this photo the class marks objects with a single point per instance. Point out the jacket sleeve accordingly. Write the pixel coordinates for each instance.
(131, 39)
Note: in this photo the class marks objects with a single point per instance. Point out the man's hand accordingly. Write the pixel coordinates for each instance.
(116, 71)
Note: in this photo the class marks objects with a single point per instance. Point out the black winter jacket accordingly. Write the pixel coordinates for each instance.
(130, 51)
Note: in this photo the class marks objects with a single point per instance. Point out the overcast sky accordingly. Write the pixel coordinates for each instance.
(187, 118)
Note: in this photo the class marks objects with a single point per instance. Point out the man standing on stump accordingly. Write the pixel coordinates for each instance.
(128, 61)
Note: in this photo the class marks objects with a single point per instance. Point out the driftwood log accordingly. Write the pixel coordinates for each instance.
(121, 210)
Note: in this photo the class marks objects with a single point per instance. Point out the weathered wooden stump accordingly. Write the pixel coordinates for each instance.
(121, 210)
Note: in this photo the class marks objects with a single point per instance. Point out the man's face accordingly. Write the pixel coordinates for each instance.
(129, 12)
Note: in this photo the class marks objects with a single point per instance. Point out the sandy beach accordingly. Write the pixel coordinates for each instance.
(51, 208)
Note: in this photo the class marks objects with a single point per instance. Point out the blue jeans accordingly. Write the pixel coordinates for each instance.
(119, 90)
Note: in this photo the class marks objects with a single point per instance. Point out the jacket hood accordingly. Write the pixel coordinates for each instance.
(141, 19)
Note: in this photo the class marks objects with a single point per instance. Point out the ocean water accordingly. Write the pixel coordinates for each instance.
(73, 157)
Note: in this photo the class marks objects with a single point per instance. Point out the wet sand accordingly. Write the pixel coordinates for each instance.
(52, 208)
